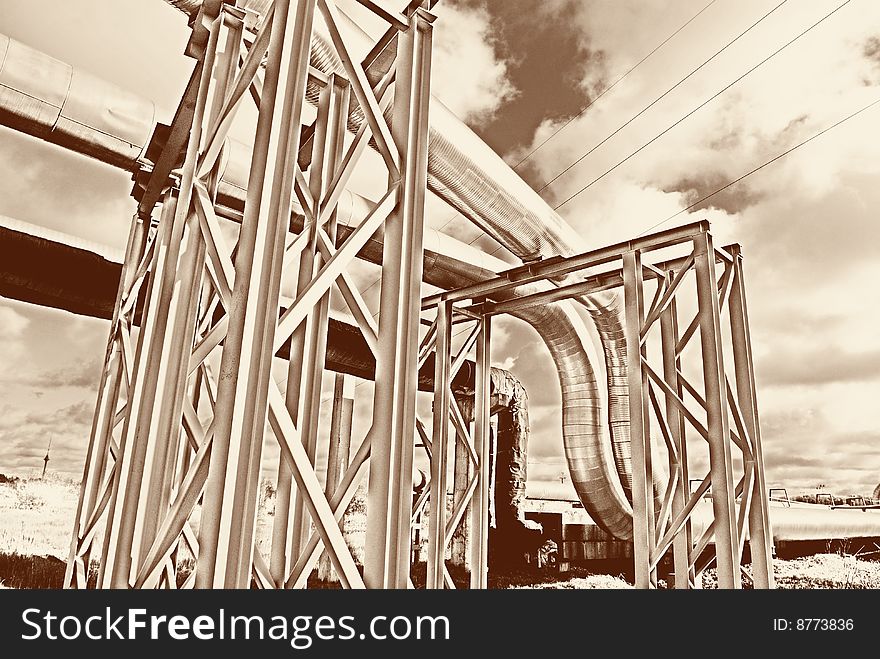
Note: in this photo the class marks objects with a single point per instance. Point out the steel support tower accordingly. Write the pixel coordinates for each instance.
(186, 390)
(187, 398)
(683, 395)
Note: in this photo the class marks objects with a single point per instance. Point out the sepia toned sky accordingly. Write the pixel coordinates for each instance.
(516, 71)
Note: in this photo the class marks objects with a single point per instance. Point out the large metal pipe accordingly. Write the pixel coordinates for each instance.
(49, 99)
(465, 172)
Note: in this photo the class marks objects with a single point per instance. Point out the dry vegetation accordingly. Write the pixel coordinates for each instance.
(36, 518)
(837, 571)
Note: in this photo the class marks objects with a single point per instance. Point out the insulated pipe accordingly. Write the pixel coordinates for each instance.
(46, 98)
(35, 104)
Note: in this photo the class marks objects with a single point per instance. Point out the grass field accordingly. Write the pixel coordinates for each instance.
(36, 518)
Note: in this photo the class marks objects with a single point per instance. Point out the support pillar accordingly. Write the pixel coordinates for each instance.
(227, 526)
(337, 456)
(386, 564)
(639, 428)
(461, 477)
(723, 499)
(681, 546)
(482, 446)
(436, 560)
(760, 531)
(97, 470)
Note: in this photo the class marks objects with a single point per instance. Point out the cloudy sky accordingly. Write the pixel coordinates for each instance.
(517, 71)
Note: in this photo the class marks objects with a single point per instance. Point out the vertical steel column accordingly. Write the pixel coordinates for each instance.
(683, 543)
(117, 561)
(151, 367)
(482, 445)
(639, 428)
(162, 427)
(328, 145)
(105, 409)
(760, 533)
(460, 479)
(723, 497)
(340, 447)
(164, 430)
(227, 529)
(386, 563)
(436, 560)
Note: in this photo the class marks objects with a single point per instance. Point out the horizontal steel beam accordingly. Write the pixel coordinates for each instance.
(559, 266)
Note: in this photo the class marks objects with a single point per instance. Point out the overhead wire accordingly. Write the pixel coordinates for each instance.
(702, 105)
(762, 166)
(607, 89)
(663, 95)
(592, 102)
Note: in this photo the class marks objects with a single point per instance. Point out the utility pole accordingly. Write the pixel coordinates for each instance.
(46, 459)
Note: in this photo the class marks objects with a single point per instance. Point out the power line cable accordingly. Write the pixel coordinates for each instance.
(700, 106)
(612, 85)
(587, 107)
(663, 95)
(762, 166)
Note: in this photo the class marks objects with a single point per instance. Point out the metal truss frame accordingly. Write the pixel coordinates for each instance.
(186, 392)
(450, 423)
(722, 410)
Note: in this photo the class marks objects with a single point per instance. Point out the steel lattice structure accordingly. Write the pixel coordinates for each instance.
(658, 388)
(143, 473)
(187, 393)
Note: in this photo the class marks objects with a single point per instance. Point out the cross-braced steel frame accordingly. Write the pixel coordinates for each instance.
(186, 390)
(681, 395)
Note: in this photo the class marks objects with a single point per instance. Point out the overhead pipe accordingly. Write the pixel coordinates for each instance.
(459, 166)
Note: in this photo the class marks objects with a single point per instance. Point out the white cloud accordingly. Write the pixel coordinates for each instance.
(12, 323)
(466, 74)
(12, 337)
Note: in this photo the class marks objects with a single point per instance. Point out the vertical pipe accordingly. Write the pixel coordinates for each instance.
(460, 479)
(440, 449)
(386, 564)
(723, 499)
(683, 542)
(760, 533)
(482, 445)
(226, 534)
(640, 431)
